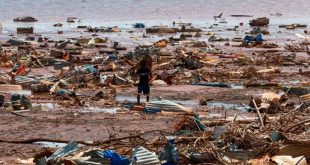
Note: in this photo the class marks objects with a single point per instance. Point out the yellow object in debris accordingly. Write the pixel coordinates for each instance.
(271, 70)
(161, 43)
(305, 98)
(267, 97)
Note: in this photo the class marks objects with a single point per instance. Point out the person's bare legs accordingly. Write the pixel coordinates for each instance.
(138, 98)
(147, 98)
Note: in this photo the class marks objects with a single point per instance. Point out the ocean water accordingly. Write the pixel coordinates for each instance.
(124, 13)
(133, 10)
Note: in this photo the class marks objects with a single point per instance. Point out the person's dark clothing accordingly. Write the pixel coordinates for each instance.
(144, 74)
(144, 86)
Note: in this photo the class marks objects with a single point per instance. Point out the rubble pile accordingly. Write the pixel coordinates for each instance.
(86, 74)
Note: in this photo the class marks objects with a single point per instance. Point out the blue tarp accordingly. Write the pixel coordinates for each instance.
(89, 68)
(151, 110)
(115, 158)
(112, 57)
(62, 92)
(258, 38)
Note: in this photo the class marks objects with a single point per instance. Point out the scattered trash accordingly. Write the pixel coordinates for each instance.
(115, 158)
(20, 102)
(167, 106)
(68, 149)
(58, 25)
(258, 38)
(293, 26)
(142, 156)
(139, 25)
(298, 91)
(263, 21)
(151, 110)
(235, 15)
(25, 19)
(276, 14)
(170, 153)
(71, 19)
(23, 30)
(161, 30)
(213, 84)
(15, 42)
(234, 95)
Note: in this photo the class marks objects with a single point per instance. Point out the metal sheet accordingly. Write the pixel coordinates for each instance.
(66, 150)
(142, 156)
(42, 161)
(166, 105)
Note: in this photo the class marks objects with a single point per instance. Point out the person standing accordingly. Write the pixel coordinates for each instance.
(144, 81)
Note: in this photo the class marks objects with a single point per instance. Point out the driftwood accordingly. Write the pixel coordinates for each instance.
(17, 114)
(213, 122)
(258, 113)
(225, 121)
(296, 125)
